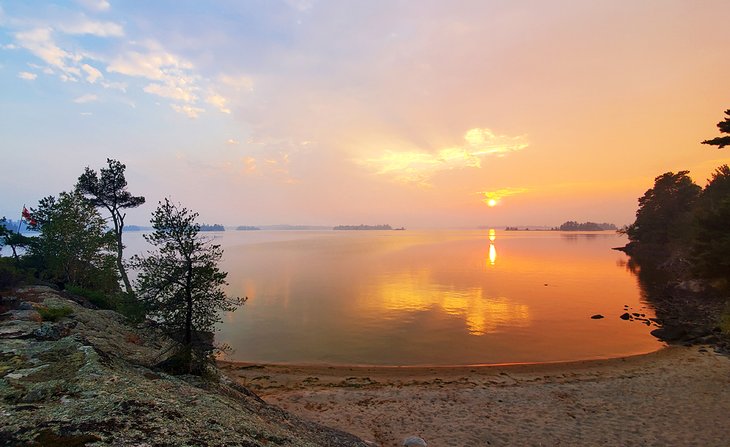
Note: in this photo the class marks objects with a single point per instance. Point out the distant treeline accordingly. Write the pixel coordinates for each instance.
(11, 224)
(247, 228)
(572, 225)
(214, 227)
(363, 227)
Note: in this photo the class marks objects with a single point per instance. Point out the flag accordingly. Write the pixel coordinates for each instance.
(28, 218)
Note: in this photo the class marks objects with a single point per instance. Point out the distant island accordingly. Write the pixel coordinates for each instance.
(572, 225)
(247, 228)
(136, 228)
(214, 227)
(363, 227)
(294, 227)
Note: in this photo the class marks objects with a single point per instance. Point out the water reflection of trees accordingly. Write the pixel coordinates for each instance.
(675, 303)
(575, 237)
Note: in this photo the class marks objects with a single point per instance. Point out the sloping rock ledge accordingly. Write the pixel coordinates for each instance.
(87, 380)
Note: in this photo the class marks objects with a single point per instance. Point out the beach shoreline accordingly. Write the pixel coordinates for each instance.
(676, 396)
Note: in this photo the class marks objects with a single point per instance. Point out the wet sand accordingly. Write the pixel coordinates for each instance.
(677, 396)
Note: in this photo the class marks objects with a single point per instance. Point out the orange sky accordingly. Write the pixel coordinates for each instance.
(328, 112)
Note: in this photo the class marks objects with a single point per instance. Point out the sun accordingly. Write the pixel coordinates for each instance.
(491, 202)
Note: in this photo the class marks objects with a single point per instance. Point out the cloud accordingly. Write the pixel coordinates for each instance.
(232, 142)
(95, 5)
(188, 110)
(154, 64)
(172, 91)
(420, 166)
(219, 102)
(92, 74)
(83, 99)
(493, 197)
(39, 42)
(121, 86)
(174, 77)
(27, 76)
(92, 27)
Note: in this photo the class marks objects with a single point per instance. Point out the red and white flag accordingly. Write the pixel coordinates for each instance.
(28, 218)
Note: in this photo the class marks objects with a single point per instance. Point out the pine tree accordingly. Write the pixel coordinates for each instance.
(108, 189)
(724, 127)
(181, 285)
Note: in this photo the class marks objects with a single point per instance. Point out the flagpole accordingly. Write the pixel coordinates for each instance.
(21, 219)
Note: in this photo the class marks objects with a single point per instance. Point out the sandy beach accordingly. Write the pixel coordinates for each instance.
(677, 396)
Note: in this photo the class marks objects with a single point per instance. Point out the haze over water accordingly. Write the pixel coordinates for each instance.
(429, 297)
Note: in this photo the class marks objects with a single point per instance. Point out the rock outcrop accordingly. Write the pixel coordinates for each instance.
(87, 379)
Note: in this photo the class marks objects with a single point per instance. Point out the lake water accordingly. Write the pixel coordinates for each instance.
(428, 297)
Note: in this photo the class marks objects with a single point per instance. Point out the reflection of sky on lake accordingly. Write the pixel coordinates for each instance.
(431, 297)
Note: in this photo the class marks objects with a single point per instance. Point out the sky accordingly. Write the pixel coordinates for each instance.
(417, 114)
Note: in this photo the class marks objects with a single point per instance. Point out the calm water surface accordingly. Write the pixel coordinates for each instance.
(428, 297)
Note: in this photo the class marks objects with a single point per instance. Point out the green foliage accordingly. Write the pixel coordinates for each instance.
(11, 238)
(724, 322)
(108, 189)
(181, 285)
(572, 225)
(73, 246)
(665, 211)
(711, 244)
(116, 301)
(54, 313)
(724, 127)
(11, 275)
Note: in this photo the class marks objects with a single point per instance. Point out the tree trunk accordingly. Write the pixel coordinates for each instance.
(118, 227)
(189, 302)
(120, 266)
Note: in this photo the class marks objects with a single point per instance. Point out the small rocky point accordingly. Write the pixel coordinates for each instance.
(87, 378)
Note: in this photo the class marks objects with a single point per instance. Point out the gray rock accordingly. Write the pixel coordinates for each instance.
(414, 441)
(54, 331)
(24, 315)
(597, 317)
(669, 333)
(17, 328)
(24, 305)
(95, 382)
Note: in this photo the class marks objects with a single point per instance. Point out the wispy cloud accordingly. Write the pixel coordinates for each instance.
(92, 27)
(188, 110)
(28, 76)
(219, 102)
(39, 41)
(492, 198)
(420, 166)
(92, 74)
(95, 5)
(83, 99)
(173, 78)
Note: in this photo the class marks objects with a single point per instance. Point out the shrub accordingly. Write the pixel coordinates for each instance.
(12, 276)
(54, 313)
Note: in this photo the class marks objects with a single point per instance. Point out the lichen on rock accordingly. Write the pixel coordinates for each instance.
(88, 379)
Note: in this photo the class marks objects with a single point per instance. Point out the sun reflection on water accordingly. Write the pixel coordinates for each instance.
(416, 291)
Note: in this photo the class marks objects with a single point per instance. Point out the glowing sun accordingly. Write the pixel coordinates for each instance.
(491, 202)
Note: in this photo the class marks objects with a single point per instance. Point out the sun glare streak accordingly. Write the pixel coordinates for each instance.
(417, 166)
(492, 254)
(417, 291)
(492, 198)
